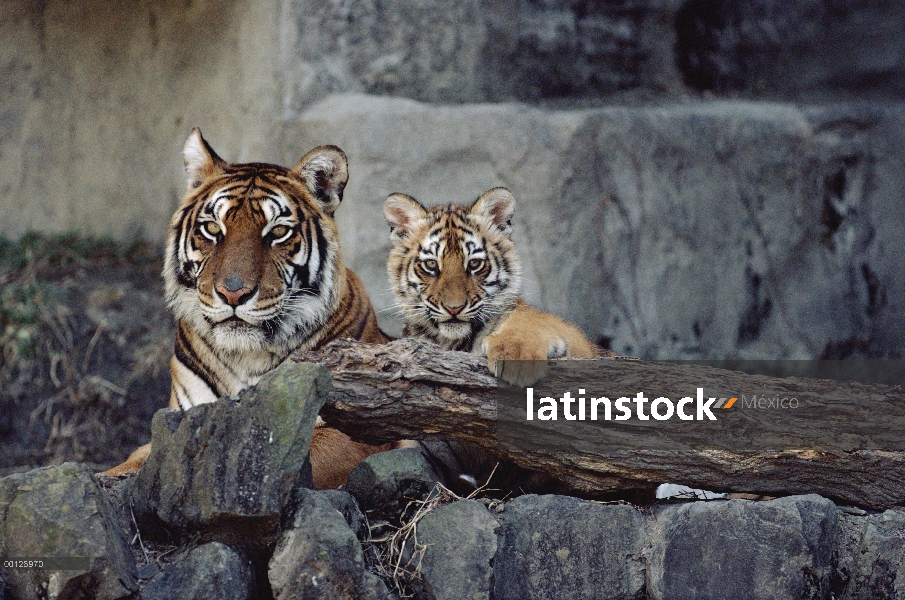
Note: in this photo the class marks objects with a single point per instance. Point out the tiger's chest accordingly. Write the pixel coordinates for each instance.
(471, 343)
(202, 373)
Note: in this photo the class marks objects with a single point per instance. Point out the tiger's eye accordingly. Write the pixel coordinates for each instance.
(211, 229)
(279, 231)
(430, 264)
(475, 263)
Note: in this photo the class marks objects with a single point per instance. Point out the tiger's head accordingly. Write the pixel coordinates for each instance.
(453, 268)
(253, 258)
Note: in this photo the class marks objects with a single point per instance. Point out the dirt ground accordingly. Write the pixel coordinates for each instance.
(85, 343)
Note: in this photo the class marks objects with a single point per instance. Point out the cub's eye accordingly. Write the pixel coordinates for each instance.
(475, 264)
(279, 232)
(210, 230)
(429, 264)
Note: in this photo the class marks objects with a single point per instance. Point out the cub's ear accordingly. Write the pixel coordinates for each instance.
(497, 206)
(201, 162)
(325, 171)
(402, 213)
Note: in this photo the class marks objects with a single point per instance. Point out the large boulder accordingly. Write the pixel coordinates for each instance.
(62, 512)
(209, 571)
(559, 547)
(74, 121)
(459, 541)
(319, 556)
(742, 549)
(691, 230)
(229, 469)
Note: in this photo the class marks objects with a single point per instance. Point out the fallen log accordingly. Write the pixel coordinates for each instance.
(410, 389)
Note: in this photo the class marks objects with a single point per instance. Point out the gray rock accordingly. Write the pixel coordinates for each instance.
(61, 511)
(741, 549)
(553, 547)
(460, 541)
(229, 468)
(149, 570)
(476, 51)
(345, 503)
(384, 482)
(871, 556)
(209, 571)
(320, 557)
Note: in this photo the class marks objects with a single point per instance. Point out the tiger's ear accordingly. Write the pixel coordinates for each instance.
(497, 206)
(325, 172)
(402, 213)
(201, 162)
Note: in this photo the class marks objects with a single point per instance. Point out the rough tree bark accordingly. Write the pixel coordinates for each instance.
(410, 389)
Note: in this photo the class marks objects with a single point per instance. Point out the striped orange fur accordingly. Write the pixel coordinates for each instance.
(253, 273)
(456, 276)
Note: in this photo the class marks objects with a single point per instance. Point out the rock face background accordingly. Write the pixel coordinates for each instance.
(697, 179)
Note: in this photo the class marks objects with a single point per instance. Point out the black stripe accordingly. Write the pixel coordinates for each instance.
(187, 356)
(271, 328)
(322, 248)
(302, 271)
(362, 323)
(185, 274)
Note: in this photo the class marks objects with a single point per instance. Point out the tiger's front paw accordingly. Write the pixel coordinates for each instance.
(514, 361)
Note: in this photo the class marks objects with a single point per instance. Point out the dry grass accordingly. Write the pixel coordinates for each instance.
(395, 553)
(64, 378)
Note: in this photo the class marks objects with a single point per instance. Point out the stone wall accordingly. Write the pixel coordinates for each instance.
(222, 509)
(688, 183)
(532, 547)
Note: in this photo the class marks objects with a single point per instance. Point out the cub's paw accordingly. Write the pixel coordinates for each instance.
(517, 362)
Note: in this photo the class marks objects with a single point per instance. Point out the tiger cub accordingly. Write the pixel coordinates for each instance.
(253, 272)
(456, 276)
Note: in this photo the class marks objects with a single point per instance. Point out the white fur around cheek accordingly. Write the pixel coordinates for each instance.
(183, 302)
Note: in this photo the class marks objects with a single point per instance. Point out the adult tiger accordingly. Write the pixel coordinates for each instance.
(253, 272)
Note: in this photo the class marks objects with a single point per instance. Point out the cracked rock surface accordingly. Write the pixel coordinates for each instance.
(228, 469)
(61, 511)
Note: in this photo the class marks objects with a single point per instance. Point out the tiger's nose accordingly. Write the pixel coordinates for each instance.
(453, 310)
(233, 291)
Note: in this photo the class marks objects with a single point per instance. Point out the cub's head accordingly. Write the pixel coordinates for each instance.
(453, 268)
(252, 257)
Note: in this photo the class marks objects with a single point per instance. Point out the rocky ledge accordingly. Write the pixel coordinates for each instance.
(223, 509)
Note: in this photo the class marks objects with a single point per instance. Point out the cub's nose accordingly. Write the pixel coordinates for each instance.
(233, 291)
